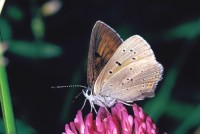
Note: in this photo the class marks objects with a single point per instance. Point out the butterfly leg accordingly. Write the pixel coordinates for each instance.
(93, 107)
(84, 104)
(124, 103)
(106, 109)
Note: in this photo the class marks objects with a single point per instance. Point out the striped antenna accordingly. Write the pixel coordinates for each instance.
(69, 86)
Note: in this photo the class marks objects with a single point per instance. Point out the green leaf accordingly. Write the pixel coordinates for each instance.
(15, 13)
(38, 27)
(189, 30)
(34, 50)
(5, 28)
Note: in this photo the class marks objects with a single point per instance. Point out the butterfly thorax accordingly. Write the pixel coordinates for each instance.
(100, 100)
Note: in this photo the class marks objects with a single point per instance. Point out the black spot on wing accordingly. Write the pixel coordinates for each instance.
(119, 64)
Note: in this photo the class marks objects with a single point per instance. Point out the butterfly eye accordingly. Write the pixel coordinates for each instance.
(88, 92)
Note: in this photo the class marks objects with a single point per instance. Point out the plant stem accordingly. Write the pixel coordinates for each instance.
(5, 98)
(6, 103)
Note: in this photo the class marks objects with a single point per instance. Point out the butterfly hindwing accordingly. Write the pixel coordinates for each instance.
(103, 43)
(136, 84)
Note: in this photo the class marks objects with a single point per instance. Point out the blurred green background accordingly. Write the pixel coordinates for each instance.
(48, 43)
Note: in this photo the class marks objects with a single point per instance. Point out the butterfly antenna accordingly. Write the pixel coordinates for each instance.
(69, 86)
(78, 95)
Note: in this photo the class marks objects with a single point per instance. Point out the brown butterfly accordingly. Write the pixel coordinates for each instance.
(119, 71)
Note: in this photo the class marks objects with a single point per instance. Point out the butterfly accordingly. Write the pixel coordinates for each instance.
(119, 71)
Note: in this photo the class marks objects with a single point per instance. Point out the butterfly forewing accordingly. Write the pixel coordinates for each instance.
(103, 43)
(130, 73)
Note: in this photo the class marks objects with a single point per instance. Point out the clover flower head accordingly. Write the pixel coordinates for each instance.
(116, 122)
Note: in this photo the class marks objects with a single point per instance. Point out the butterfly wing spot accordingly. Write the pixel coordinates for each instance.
(131, 79)
(127, 89)
(127, 79)
(133, 58)
(122, 83)
(131, 68)
(131, 50)
(110, 72)
(119, 64)
(124, 50)
(134, 52)
(110, 85)
(149, 85)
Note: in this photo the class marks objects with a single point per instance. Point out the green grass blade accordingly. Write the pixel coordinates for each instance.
(175, 109)
(157, 106)
(191, 120)
(77, 76)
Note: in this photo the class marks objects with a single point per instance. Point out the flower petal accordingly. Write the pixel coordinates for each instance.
(112, 125)
(88, 130)
(125, 120)
(99, 123)
(68, 130)
(73, 128)
(78, 121)
(89, 121)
